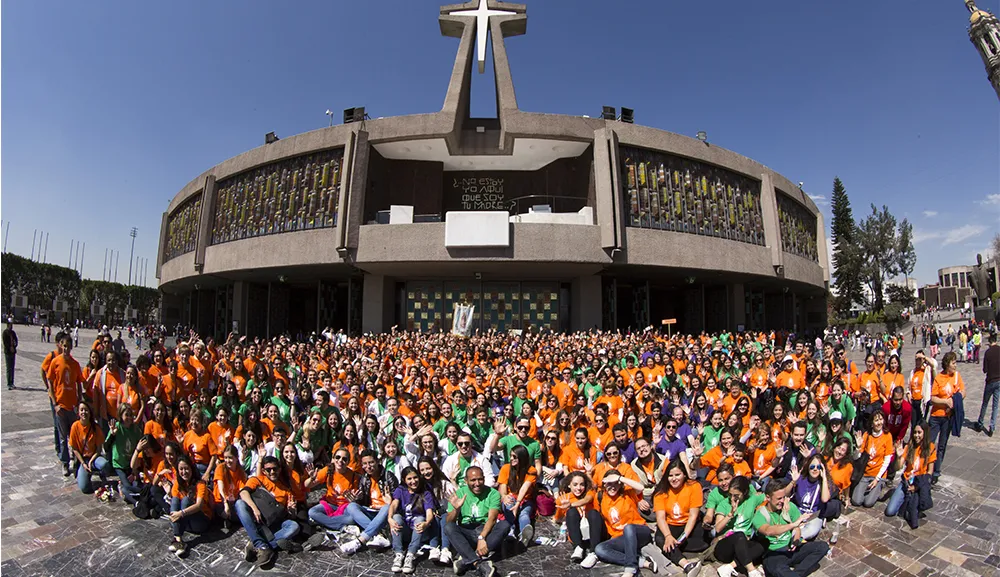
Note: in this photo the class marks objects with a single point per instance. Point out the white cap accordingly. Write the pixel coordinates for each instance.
(788, 358)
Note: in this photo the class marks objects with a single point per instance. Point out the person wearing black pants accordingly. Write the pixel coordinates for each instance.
(576, 495)
(596, 523)
(9, 352)
(779, 521)
(735, 550)
(737, 547)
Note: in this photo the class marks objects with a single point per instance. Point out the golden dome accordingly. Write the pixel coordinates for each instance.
(978, 15)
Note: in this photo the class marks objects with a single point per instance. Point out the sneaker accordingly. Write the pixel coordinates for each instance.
(352, 530)
(181, 549)
(379, 542)
(351, 547)
(172, 547)
(589, 561)
(408, 564)
(648, 563)
(289, 546)
(577, 555)
(692, 569)
(487, 569)
(314, 541)
(457, 566)
(249, 552)
(264, 556)
(726, 570)
(527, 536)
(434, 554)
(397, 563)
(445, 557)
(758, 572)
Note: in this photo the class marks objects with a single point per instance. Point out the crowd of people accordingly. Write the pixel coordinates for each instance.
(459, 447)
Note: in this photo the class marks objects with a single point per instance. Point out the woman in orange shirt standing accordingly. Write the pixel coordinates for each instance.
(946, 385)
(677, 502)
(913, 494)
(625, 528)
(229, 479)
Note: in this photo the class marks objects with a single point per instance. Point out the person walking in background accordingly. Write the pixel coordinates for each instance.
(991, 368)
(9, 352)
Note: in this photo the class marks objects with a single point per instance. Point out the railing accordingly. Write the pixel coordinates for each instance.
(545, 203)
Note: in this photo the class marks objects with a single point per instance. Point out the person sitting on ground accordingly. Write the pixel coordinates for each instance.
(190, 505)
(677, 502)
(370, 509)
(625, 528)
(913, 494)
(411, 513)
(265, 534)
(472, 526)
(779, 521)
(517, 481)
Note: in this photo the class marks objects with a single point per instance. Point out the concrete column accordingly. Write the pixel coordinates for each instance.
(377, 302)
(239, 307)
(769, 207)
(163, 244)
(208, 196)
(357, 186)
(737, 306)
(604, 205)
(824, 258)
(585, 303)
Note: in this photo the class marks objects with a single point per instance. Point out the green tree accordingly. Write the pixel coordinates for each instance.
(846, 254)
(879, 248)
(906, 255)
(900, 295)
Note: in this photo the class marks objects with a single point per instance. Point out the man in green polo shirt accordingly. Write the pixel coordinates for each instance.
(778, 520)
(472, 526)
(522, 427)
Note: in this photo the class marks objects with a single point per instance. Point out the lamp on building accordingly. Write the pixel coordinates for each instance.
(628, 115)
(271, 138)
(779, 270)
(356, 114)
(330, 114)
(609, 113)
(689, 279)
(702, 136)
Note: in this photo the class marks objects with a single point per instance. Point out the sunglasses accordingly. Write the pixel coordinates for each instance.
(464, 444)
(551, 438)
(611, 453)
(339, 458)
(815, 467)
(670, 427)
(522, 427)
(270, 469)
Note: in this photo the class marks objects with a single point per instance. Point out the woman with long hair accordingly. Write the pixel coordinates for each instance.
(577, 500)
(442, 490)
(913, 494)
(85, 443)
(120, 445)
(812, 494)
(393, 460)
(228, 479)
(160, 426)
(190, 505)
(734, 521)
(624, 527)
(411, 516)
(581, 455)
(879, 447)
(677, 502)
(516, 483)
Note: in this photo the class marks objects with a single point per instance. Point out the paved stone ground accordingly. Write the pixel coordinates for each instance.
(48, 528)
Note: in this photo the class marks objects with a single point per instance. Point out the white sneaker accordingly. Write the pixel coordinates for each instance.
(408, 564)
(445, 557)
(434, 554)
(528, 536)
(379, 542)
(726, 570)
(351, 547)
(397, 563)
(589, 561)
(757, 573)
(577, 555)
(352, 530)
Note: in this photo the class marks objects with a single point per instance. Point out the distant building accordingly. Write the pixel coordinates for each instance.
(954, 286)
(984, 33)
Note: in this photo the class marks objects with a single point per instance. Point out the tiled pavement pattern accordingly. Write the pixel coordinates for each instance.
(48, 528)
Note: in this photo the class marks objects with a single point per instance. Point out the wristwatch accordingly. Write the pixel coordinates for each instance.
(481, 538)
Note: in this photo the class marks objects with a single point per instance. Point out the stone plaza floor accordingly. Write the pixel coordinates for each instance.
(47, 527)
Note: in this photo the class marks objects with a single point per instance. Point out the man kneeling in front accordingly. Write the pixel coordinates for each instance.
(472, 525)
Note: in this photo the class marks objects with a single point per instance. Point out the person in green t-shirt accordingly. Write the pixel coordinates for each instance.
(472, 526)
(521, 436)
(778, 520)
(734, 512)
(480, 428)
(123, 438)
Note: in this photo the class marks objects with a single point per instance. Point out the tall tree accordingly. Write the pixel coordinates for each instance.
(995, 246)
(879, 247)
(846, 253)
(906, 255)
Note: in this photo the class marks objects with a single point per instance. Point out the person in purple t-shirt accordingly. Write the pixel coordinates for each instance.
(410, 513)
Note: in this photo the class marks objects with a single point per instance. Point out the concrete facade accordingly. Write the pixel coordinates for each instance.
(579, 257)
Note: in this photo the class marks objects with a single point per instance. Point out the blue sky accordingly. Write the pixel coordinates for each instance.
(109, 108)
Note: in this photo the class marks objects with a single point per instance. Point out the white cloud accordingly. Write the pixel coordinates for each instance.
(819, 199)
(962, 233)
(930, 213)
(992, 200)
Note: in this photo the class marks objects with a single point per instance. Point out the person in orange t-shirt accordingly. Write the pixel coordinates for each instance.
(190, 505)
(581, 455)
(879, 447)
(64, 377)
(200, 446)
(677, 502)
(272, 481)
(229, 479)
(516, 483)
(617, 505)
(946, 385)
(913, 494)
(85, 438)
(341, 488)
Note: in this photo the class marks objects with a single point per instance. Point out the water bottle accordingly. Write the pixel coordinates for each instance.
(562, 534)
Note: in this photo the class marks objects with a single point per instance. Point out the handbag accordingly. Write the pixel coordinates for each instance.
(271, 512)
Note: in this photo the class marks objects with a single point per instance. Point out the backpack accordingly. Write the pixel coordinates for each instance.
(146, 504)
(270, 511)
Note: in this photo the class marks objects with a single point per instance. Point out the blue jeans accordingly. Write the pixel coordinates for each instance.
(83, 477)
(286, 530)
(353, 515)
(523, 517)
(911, 503)
(196, 523)
(408, 535)
(438, 538)
(624, 550)
(124, 485)
(940, 433)
(64, 420)
(465, 538)
(9, 365)
(991, 392)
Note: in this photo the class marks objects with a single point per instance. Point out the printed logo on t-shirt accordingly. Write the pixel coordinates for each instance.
(677, 511)
(475, 510)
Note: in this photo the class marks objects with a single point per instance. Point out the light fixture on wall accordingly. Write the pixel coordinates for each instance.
(689, 279)
(609, 113)
(271, 138)
(628, 115)
(702, 136)
(281, 278)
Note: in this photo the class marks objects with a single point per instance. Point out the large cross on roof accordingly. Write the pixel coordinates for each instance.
(482, 13)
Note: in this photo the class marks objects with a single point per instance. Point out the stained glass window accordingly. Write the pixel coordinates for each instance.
(182, 228)
(798, 228)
